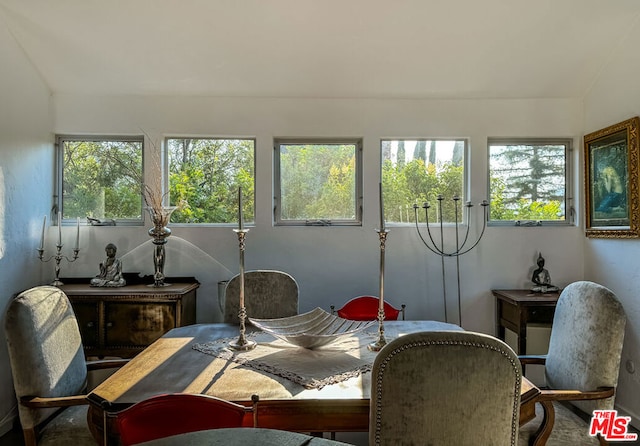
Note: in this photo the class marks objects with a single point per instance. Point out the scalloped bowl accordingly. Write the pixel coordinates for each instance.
(310, 330)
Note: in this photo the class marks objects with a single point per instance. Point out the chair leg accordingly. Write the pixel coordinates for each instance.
(255, 399)
(546, 426)
(29, 437)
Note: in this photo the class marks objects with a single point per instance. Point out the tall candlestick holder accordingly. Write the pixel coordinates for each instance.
(380, 341)
(460, 249)
(58, 256)
(242, 343)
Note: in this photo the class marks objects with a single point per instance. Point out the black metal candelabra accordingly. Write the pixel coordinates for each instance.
(461, 248)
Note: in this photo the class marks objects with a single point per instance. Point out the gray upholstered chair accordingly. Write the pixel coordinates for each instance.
(443, 388)
(585, 348)
(267, 294)
(49, 368)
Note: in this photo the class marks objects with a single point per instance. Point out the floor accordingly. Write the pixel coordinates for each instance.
(12, 438)
(576, 435)
(570, 429)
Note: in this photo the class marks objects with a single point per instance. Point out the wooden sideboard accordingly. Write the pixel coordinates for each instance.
(123, 321)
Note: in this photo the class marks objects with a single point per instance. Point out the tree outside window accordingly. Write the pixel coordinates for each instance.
(100, 177)
(528, 180)
(318, 182)
(204, 177)
(417, 172)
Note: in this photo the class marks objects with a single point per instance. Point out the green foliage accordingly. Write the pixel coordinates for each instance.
(102, 179)
(318, 181)
(204, 176)
(525, 209)
(527, 181)
(417, 183)
(99, 179)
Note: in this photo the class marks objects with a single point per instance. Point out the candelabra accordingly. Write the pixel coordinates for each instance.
(460, 248)
(242, 343)
(58, 256)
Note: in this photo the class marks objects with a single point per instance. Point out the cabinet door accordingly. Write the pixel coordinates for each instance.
(137, 324)
(87, 316)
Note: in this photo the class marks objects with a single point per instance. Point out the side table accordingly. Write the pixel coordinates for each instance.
(517, 308)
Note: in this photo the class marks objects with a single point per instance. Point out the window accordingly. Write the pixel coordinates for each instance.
(318, 182)
(417, 172)
(100, 177)
(204, 176)
(529, 181)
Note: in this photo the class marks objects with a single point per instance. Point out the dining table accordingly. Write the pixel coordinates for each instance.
(242, 436)
(325, 389)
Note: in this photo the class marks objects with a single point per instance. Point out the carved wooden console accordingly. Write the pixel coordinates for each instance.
(123, 321)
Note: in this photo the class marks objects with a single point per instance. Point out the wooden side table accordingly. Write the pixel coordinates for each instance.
(517, 308)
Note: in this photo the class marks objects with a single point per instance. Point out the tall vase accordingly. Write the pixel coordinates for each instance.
(160, 232)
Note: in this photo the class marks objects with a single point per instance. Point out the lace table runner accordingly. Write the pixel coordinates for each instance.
(343, 359)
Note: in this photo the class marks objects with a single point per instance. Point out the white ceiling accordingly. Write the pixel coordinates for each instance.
(321, 48)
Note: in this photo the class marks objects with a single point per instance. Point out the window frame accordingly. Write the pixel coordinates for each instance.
(59, 189)
(568, 180)
(277, 189)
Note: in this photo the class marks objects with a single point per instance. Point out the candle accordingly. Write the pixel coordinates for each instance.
(77, 233)
(59, 229)
(381, 210)
(44, 224)
(240, 208)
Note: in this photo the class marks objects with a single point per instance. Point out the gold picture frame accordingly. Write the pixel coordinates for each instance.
(612, 194)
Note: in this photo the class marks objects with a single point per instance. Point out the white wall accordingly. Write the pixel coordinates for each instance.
(26, 168)
(333, 264)
(615, 97)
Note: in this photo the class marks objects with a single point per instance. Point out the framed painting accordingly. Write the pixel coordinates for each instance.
(612, 193)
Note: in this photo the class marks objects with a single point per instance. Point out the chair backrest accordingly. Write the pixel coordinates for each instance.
(267, 294)
(586, 340)
(176, 413)
(445, 387)
(45, 349)
(365, 308)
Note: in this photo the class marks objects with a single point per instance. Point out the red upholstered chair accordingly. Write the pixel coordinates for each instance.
(176, 413)
(365, 308)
